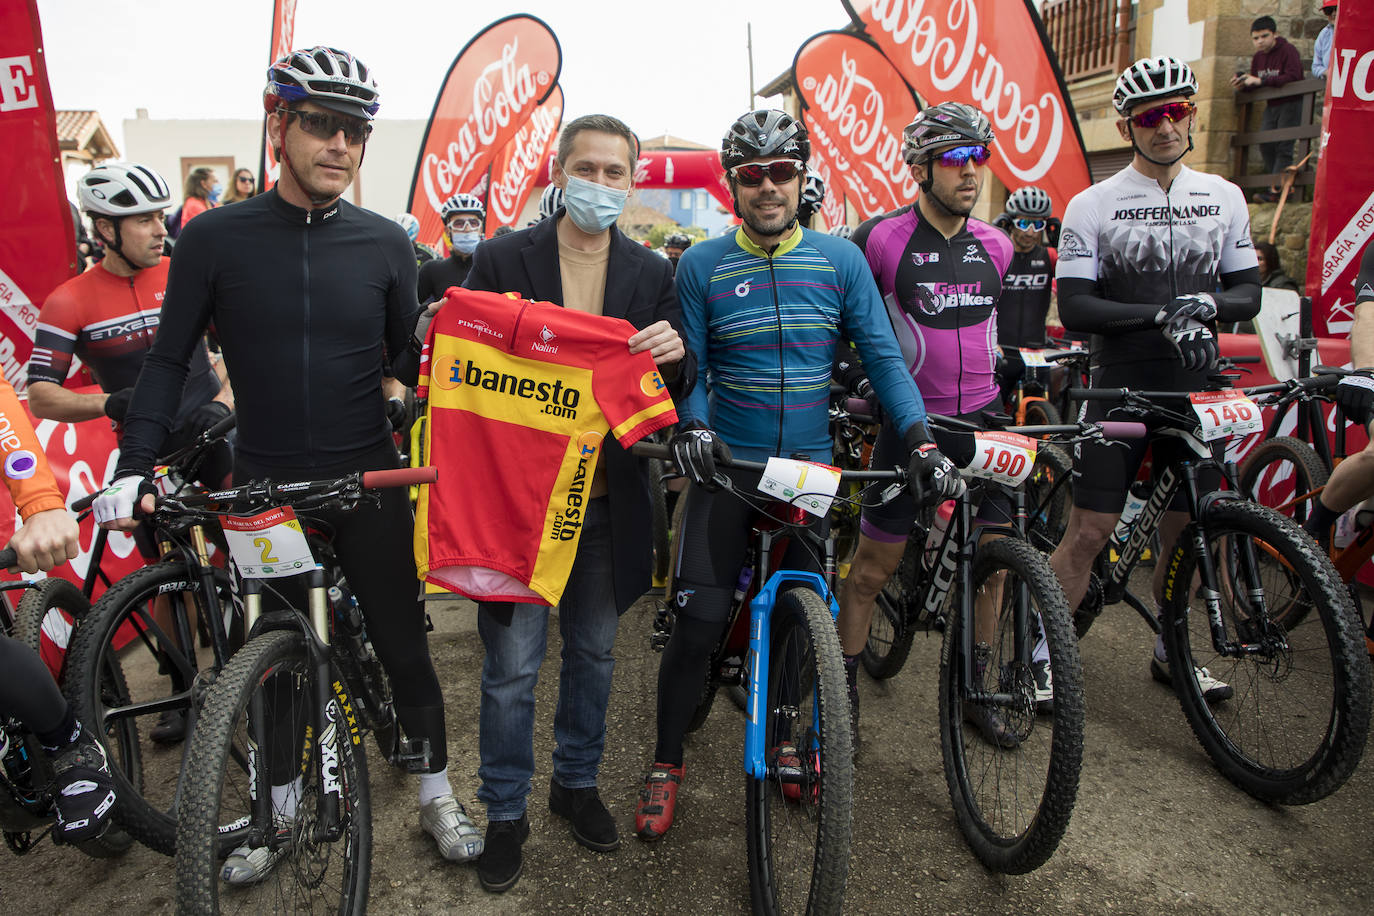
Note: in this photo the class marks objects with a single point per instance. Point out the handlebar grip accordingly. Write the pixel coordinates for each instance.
(1097, 394)
(1120, 429)
(646, 449)
(399, 477)
(8, 558)
(223, 426)
(84, 503)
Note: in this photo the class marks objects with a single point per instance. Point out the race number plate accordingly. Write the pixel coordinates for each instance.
(1033, 358)
(806, 484)
(1225, 413)
(1004, 457)
(268, 545)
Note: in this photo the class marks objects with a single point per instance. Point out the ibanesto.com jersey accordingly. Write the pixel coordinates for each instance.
(521, 396)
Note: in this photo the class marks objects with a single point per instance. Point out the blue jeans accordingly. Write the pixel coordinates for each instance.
(587, 620)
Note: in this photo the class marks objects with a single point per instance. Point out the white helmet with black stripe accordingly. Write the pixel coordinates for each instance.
(1152, 78)
(123, 189)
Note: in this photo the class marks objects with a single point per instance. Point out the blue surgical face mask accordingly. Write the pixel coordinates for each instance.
(216, 192)
(593, 207)
(465, 242)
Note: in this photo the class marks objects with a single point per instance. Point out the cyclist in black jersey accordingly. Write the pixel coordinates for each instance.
(310, 297)
(1353, 479)
(1149, 261)
(1028, 284)
(464, 217)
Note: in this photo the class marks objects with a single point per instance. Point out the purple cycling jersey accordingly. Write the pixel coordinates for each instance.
(941, 295)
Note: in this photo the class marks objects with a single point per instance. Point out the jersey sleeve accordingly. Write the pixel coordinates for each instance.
(1078, 241)
(1237, 248)
(629, 389)
(27, 475)
(54, 341)
(693, 272)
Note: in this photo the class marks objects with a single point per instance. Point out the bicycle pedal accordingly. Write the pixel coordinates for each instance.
(414, 755)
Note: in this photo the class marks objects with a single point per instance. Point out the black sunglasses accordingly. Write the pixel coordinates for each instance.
(779, 171)
(324, 126)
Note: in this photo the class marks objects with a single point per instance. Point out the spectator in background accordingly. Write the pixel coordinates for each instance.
(1271, 271)
(1321, 53)
(1276, 63)
(243, 187)
(199, 186)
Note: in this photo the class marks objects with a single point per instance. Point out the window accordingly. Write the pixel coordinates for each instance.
(685, 200)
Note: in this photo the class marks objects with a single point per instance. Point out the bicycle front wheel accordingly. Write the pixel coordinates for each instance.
(262, 713)
(798, 817)
(1012, 772)
(1294, 724)
(1280, 472)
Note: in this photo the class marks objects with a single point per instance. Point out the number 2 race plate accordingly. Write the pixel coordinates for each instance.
(268, 545)
(1225, 413)
(1004, 457)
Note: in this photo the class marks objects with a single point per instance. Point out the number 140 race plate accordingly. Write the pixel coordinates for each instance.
(1225, 413)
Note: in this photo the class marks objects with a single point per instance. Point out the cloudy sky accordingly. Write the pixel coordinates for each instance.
(676, 66)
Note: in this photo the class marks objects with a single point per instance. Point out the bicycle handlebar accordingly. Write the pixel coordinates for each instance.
(645, 449)
(8, 558)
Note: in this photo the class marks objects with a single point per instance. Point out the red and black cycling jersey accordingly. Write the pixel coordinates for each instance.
(1025, 302)
(941, 295)
(109, 322)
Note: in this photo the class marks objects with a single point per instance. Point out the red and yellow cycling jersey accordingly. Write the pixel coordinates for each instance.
(521, 395)
(30, 480)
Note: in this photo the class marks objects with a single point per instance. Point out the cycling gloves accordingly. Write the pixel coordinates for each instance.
(1182, 321)
(1355, 395)
(932, 478)
(696, 451)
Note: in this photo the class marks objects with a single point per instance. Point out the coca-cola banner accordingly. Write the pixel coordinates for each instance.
(37, 239)
(283, 31)
(493, 87)
(515, 170)
(684, 168)
(855, 106)
(985, 53)
(1343, 205)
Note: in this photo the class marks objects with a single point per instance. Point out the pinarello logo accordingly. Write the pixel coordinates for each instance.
(447, 372)
(588, 443)
(651, 383)
(21, 465)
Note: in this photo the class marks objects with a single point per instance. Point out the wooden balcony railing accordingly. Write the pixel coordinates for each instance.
(1090, 37)
(1306, 133)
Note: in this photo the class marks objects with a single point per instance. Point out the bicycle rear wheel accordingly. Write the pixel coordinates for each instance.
(1013, 799)
(1281, 470)
(261, 712)
(1042, 413)
(892, 628)
(1295, 727)
(798, 817)
(122, 629)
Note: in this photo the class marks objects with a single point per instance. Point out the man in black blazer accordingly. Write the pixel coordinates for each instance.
(578, 259)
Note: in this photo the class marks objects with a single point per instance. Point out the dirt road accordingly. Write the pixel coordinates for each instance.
(1156, 827)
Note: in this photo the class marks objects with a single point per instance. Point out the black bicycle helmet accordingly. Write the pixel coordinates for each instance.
(761, 133)
(944, 125)
(812, 192)
(677, 240)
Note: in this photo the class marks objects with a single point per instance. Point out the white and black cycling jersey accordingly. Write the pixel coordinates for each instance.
(1141, 244)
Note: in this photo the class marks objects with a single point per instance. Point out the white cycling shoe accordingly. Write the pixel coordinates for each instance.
(456, 835)
(252, 864)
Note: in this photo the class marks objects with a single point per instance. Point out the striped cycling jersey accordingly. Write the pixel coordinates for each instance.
(764, 328)
(942, 295)
(521, 395)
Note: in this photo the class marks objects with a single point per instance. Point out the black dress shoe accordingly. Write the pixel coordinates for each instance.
(502, 859)
(592, 825)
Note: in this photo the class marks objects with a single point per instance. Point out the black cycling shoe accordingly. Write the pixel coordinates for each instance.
(502, 858)
(83, 790)
(592, 825)
(170, 727)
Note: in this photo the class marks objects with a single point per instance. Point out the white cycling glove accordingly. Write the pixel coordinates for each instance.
(118, 499)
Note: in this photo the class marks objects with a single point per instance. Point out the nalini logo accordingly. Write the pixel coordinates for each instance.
(743, 289)
(651, 383)
(544, 345)
(21, 465)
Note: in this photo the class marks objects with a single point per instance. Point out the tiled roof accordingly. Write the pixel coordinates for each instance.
(83, 130)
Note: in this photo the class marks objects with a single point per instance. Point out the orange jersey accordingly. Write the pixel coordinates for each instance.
(521, 395)
(27, 474)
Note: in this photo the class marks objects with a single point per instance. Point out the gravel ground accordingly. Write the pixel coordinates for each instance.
(1156, 827)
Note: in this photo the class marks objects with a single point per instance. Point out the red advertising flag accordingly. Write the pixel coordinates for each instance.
(283, 31)
(855, 106)
(37, 238)
(981, 52)
(1343, 203)
(494, 85)
(678, 168)
(517, 167)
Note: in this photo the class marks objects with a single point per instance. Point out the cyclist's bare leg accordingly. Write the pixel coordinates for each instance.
(874, 563)
(1084, 538)
(1351, 482)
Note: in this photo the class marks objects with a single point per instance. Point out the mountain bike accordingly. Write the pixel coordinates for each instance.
(277, 759)
(781, 646)
(26, 778)
(1249, 597)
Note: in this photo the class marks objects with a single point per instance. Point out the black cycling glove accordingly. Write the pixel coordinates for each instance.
(695, 452)
(1194, 343)
(1355, 396)
(117, 404)
(931, 477)
(205, 416)
(396, 414)
(1197, 306)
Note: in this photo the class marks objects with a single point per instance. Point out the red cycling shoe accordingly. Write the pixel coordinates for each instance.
(657, 801)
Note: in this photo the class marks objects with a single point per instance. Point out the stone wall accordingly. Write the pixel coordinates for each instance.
(1295, 231)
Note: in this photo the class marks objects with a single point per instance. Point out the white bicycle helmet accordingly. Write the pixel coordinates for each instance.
(326, 76)
(550, 201)
(1152, 78)
(410, 224)
(123, 189)
(462, 203)
(1030, 202)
